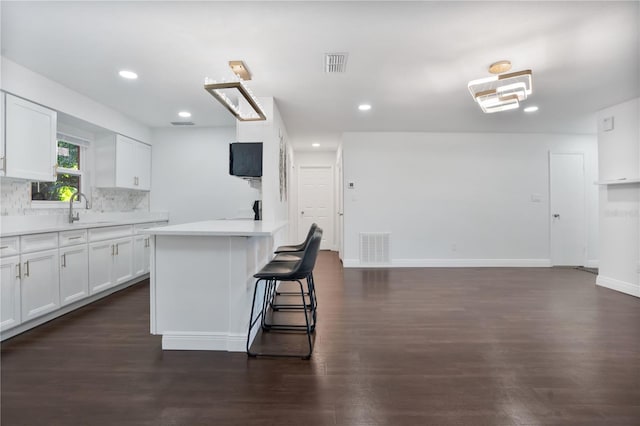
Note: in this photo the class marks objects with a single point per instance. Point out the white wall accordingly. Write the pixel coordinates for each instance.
(619, 157)
(269, 132)
(458, 199)
(25, 83)
(190, 176)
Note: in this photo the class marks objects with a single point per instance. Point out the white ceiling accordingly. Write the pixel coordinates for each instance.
(410, 60)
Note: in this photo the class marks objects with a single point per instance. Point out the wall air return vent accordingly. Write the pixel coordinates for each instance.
(182, 123)
(374, 248)
(335, 62)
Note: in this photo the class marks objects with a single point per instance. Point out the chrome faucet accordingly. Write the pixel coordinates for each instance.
(77, 196)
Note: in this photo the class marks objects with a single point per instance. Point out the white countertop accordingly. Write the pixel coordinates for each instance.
(49, 224)
(221, 228)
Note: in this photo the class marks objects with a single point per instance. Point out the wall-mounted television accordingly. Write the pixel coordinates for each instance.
(245, 159)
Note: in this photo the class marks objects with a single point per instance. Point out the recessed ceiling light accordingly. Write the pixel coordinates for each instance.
(129, 75)
(184, 114)
(315, 145)
(364, 107)
(531, 109)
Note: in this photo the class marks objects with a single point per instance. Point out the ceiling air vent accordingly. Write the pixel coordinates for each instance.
(182, 123)
(335, 62)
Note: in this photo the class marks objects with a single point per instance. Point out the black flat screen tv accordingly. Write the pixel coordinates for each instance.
(245, 159)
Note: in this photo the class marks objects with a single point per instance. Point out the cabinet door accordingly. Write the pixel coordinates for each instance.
(40, 288)
(143, 166)
(139, 253)
(2, 134)
(101, 259)
(74, 273)
(30, 132)
(9, 292)
(123, 260)
(125, 162)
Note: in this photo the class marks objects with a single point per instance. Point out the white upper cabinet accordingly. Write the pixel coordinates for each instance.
(122, 162)
(30, 140)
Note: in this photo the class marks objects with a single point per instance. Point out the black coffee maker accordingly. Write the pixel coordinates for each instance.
(257, 210)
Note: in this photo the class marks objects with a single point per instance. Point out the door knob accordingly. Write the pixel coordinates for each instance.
(302, 212)
(556, 216)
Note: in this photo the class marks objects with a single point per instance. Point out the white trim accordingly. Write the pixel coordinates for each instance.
(204, 341)
(454, 263)
(617, 285)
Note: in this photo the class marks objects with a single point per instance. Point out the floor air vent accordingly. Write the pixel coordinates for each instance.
(335, 62)
(374, 248)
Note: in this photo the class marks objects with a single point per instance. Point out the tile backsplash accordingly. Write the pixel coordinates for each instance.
(15, 200)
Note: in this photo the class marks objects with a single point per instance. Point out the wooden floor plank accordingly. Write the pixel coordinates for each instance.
(436, 346)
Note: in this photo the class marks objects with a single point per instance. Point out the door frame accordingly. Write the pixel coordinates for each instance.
(585, 233)
(333, 210)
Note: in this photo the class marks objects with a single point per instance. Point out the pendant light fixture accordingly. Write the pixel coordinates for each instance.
(501, 92)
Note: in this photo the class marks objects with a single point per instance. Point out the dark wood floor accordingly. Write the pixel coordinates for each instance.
(394, 347)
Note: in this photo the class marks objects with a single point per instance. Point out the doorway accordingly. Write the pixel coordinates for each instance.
(315, 203)
(567, 209)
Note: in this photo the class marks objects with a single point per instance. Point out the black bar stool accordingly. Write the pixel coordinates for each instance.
(287, 271)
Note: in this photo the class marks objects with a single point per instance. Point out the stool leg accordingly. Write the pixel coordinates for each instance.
(306, 320)
(251, 320)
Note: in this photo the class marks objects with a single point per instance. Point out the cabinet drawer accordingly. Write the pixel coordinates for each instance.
(9, 246)
(70, 238)
(35, 242)
(107, 233)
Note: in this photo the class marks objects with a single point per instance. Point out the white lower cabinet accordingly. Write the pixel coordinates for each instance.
(40, 289)
(10, 292)
(74, 273)
(123, 261)
(43, 273)
(141, 254)
(110, 263)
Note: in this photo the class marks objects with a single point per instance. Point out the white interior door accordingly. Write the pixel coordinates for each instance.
(315, 203)
(567, 205)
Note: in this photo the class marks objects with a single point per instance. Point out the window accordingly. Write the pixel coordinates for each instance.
(69, 175)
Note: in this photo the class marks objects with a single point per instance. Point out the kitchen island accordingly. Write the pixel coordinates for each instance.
(202, 281)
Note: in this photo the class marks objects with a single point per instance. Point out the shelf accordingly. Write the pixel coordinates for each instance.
(620, 181)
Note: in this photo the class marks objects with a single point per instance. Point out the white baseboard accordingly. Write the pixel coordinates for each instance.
(617, 285)
(203, 341)
(454, 263)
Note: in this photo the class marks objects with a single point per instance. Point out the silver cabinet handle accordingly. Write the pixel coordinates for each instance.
(75, 238)
(18, 271)
(64, 260)
(4, 247)
(113, 250)
(26, 267)
(117, 249)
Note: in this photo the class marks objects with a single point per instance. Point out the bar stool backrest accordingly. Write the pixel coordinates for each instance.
(308, 261)
(302, 245)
